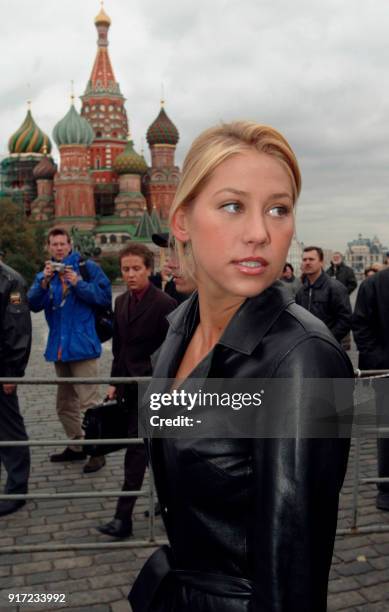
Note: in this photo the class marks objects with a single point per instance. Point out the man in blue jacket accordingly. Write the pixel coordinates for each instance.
(73, 345)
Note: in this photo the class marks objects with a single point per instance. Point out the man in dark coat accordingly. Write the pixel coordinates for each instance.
(370, 324)
(140, 327)
(15, 345)
(344, 274)
(325, 297)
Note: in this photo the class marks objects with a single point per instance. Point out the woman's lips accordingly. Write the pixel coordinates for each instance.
(252, 266)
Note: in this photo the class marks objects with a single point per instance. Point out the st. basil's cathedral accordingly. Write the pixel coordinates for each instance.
(102, 185)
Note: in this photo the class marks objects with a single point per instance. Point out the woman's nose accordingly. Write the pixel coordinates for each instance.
(255, 230)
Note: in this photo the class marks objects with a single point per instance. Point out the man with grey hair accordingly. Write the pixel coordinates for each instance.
(344, 274)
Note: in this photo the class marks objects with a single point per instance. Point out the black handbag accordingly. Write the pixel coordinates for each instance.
(108, 420)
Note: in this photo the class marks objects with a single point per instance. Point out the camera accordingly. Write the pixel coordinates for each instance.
(58, 266)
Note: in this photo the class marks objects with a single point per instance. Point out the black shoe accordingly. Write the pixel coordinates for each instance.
(382, 501)
(117, 528)
(157, 510)
(94, 464)
(10, 506)
(68, 455)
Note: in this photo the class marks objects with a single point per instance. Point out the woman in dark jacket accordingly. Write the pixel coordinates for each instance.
(251, 519)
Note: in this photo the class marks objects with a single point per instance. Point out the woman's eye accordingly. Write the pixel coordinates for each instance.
(279, 211)
(232, 207)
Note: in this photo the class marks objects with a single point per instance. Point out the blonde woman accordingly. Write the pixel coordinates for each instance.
(251, 522)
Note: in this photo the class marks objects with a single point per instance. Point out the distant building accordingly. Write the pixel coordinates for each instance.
(102, 185)
(363, 252)
(295, 255)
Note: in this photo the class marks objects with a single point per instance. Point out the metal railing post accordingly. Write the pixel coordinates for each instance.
(357, 456)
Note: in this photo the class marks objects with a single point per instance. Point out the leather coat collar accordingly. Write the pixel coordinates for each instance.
(256, 314)
(319, 282)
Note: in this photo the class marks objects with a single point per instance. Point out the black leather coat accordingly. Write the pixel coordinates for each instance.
(344, 274)
(370, 322)
(15, 323)
(251, 522)
(328, 300)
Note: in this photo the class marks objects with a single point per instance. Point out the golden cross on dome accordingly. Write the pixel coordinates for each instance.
(72, 91)
(29, 96)
(162, 95)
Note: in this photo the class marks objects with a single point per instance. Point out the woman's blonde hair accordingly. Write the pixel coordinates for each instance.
(214, 146)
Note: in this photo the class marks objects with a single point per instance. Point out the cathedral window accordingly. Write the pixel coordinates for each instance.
(103, 239)
(112, 239)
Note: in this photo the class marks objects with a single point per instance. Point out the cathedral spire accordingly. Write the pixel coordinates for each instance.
(102, 22)
(102, 79)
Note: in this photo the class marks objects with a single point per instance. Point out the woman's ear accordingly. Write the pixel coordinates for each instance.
(179, 225)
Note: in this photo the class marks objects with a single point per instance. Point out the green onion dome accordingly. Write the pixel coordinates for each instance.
(29, 138)
(46, 169)
(129, 162)
(73, 130)
(162, 130)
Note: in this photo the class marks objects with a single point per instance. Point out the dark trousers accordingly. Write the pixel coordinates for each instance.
(134, 460)
(382, 415)
(16, 460)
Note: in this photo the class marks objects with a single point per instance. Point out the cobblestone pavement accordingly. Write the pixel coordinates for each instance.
(98, 580)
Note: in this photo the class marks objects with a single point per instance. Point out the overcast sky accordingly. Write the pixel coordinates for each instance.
(316, 70)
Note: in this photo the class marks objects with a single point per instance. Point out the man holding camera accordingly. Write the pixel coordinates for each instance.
(69, 301)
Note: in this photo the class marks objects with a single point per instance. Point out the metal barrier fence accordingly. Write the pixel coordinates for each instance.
(152, 540)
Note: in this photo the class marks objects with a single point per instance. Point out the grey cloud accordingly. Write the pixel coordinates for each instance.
(316, 71)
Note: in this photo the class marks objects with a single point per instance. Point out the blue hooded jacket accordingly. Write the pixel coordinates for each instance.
(71, 319)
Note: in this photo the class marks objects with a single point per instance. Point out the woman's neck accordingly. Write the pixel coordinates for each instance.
(215, 315)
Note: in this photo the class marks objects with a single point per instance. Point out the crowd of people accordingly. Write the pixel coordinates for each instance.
(69, 298)
(251, 522)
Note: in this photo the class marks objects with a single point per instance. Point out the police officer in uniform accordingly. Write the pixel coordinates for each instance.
(15, 345)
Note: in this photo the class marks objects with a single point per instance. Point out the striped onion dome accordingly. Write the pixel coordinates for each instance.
(162, 130)
(129, 162)
(29, 138)
(73, 130)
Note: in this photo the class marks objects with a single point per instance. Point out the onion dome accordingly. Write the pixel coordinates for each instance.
(129, 162)
(102, 17)
(162, 130)
(46, 169)
(73, 130)
(29, 138)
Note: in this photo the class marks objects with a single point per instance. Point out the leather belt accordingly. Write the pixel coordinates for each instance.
(215, 584)
(159, 567)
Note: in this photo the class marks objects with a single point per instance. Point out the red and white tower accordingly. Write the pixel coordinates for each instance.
(103, 107)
